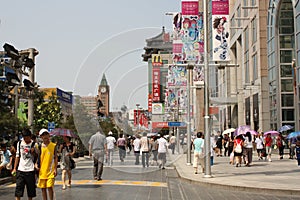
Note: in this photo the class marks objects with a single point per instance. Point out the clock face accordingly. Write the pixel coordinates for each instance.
(103, 89)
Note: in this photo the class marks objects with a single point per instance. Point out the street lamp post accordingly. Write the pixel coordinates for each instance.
(189, 69)
(207, 173)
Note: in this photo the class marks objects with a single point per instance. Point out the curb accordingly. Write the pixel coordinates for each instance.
(241, 188)
(6, 180)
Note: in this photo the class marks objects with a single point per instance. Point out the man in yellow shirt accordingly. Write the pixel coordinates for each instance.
(47, 165)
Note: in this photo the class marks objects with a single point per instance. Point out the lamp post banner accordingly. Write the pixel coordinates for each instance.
(220, 27)
(189, 7)
(156, 84)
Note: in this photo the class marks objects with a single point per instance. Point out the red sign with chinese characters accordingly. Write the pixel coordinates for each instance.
(150, 103)
(156, 84)
(190, 7)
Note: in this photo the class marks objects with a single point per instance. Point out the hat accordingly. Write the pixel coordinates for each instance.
(110, 133)
(42, 131)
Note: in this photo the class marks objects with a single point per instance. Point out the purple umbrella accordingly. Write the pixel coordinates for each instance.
(63, 132)
(273, 133)
(241, 130)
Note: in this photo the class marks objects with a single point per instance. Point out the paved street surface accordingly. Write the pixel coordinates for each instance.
(129, 181)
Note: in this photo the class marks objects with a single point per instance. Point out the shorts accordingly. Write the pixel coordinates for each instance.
(46, 183)
(25, 179)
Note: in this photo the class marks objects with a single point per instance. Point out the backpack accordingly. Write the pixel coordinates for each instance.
(238, 148)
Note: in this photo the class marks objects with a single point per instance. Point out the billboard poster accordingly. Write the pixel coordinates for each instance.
(198, 75)
(157, 108)
(176, 76)
(155, 84)
(189, 7)
(220, 30)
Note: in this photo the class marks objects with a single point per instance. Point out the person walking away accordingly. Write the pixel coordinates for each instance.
(248, 149)
(298, 150)
(292, 144)
(279, 143)
(136, 149)
(238, 149)
(111, 141)
(172, 143)
(24, 166)
(121, 143)
(47, 165)
(97, 150)
(230, 143)
(219, 144)
(154, 148)
(259, 146)
(145, 149)
(162, 151)
(212, 149)
(268, 144)
(129, 143)
(6, 158)
(198, 152)
(226, 144)
(67, 149)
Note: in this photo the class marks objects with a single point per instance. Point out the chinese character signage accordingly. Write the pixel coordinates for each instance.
(156, 84)
(220, 30)
(189, 7)
(150, 103)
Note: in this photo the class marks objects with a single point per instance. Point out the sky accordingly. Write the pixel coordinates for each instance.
(78, 41)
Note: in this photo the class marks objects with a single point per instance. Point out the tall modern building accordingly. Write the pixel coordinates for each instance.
(242, 90)
(283, 40)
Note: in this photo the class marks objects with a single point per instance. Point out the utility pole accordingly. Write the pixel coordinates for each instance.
(207, 173)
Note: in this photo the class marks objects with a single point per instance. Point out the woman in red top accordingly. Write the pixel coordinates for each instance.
(268, 144)
(238, 149)
(280, 145)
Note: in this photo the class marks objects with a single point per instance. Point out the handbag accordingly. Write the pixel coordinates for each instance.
(72, 163)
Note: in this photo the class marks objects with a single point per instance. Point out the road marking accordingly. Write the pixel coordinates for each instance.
(111, 182)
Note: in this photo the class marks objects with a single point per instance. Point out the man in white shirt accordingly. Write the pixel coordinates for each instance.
(136, 148)
(111, 141)
(145, 148)
(25, 161)
(162, 151)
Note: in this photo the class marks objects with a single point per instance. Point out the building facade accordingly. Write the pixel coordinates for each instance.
(283, 40)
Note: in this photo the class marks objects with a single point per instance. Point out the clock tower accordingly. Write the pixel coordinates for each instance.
(103, 95)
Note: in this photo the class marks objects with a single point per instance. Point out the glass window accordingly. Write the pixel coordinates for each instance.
(286, 71)
(247, 73)
(255, 68)
(245, 10)
(287, 100)
(287, 85)
(286, 41)
(286, 56)
(287, 114)
(254, 30)
(239, 15)
(246, 39)
(253, 2)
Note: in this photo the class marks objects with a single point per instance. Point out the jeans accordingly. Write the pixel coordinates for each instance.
(122, 153)
(145, 156)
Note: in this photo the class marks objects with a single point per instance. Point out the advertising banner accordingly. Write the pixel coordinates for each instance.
(156, 84)
(189, 7)
(176, 76)
(220, 30)
(150, 103)
(157, 108)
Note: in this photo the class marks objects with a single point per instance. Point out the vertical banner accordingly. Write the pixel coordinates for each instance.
(156, 84)
(220, 30)
(190, 7)
(150, 103)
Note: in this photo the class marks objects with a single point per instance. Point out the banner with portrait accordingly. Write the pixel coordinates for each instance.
(220, 30)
